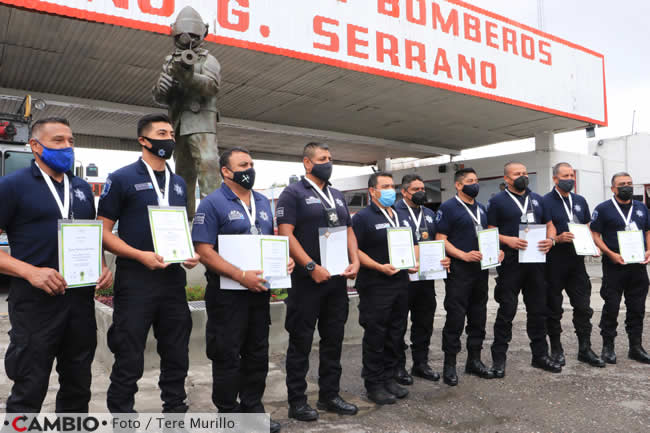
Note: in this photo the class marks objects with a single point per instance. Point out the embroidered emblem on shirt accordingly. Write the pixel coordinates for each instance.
(578, 208)
(235, 215)
(535, 203)
(107, 188)
(280, 212)
(406, 223)
(264, 216)
(312, 200)
(429, 219)
(639, 212)
(340, 202)
(594, 216)
(143, 186)
(381, 226)
(199, 218)
(178, 189)
(80, 194)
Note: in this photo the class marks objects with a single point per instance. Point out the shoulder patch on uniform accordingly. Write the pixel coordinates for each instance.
(438, 216)
(594, 216)
(107, 187)
(312, 200)
(178, 189)
(235, 215)
(199, 219)
(280, 212)
(79, 194)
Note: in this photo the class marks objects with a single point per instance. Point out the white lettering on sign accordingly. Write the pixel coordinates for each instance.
(449, 44)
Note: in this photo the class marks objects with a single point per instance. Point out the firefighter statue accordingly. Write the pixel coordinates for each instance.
(188, 86)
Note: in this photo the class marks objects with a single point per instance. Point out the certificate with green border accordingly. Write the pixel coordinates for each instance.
(171, 233)
(400, 247)
(631, 247)
(583, 242)
(488, 245)
(80, 251)
(275, 256)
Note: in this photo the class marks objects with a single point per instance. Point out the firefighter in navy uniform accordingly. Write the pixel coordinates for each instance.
(622, 213)
(315, 296)
(48, 320)
(148, 292)
(421, 294)
(237, 332)
(565, 270)
(458, 222)
(506, 211)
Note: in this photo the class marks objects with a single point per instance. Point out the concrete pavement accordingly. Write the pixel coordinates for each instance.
(580, 399)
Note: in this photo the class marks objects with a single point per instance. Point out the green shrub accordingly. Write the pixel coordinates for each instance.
(195, 293)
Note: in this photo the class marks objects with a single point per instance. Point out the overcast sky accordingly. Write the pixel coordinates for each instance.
(619, 30)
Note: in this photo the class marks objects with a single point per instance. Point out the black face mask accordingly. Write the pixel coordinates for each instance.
(471, 190)
(419, 198)
(521, 183)
(161, 148)
(625, 193)
(322, 171)
(244, 178)
(566, 185)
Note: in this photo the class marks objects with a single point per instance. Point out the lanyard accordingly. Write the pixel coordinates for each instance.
(163, 200)
(476, 218)
(523, 208)
(629, 214)
(64, 207)
(417, 220)
(327, 198)
(569, 213)
(252, 214)
(395, 223)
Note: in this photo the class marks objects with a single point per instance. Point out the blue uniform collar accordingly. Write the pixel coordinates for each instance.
(227, 192)
(36, 172)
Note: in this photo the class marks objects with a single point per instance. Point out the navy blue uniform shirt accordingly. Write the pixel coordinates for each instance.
(506, 215)
(426, 224)
(301, 206)
(127, 193)
(370, 226)
(453, 220)
(555, 211)
(222, 213)
(607, 221)
(29, 214)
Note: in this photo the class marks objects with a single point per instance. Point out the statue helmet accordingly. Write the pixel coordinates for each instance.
(189, 21)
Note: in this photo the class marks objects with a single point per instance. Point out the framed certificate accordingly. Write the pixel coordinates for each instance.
(583, 242)
(171, 233)
(431, 253)
(400, 247)
(631, 247)
(488, 245)
(80, 251)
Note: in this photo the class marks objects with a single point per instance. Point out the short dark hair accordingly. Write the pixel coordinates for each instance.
(508, 164)
(460, 174)
(224, 159)
(556, 167)
(372, 181)
(408, 179)
(619, 174)
(145, 122)
(36, 126)
(310, 149)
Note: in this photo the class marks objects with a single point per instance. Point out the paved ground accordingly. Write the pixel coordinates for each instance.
(580, 399)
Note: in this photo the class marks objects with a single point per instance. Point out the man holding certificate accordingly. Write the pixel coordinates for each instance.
(51, 318)
(421, 292)
(316, 219)
(460, 221)
(237, 332)
(621, 230)
(386, 251)
(149, 288)
(565, 269)
(516, 212)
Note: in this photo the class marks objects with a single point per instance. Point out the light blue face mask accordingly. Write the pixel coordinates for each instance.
(387, 197)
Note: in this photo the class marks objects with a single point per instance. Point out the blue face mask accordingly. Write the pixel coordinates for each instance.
(59, 160)
(387, 197)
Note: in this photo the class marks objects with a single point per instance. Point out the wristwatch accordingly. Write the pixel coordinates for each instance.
(310, 266)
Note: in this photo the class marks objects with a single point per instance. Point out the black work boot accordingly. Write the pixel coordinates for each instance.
(402, 376)
(557, 351)
(498, 365)
(393, 387)
(476, 367)
(608, 354)
(585, 354)
(545, 363)
(637, 352)
(449, 375)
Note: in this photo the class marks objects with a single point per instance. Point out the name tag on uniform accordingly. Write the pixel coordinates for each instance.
(143, 186)
(312, 200)
(235, 215)
(381, 226)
